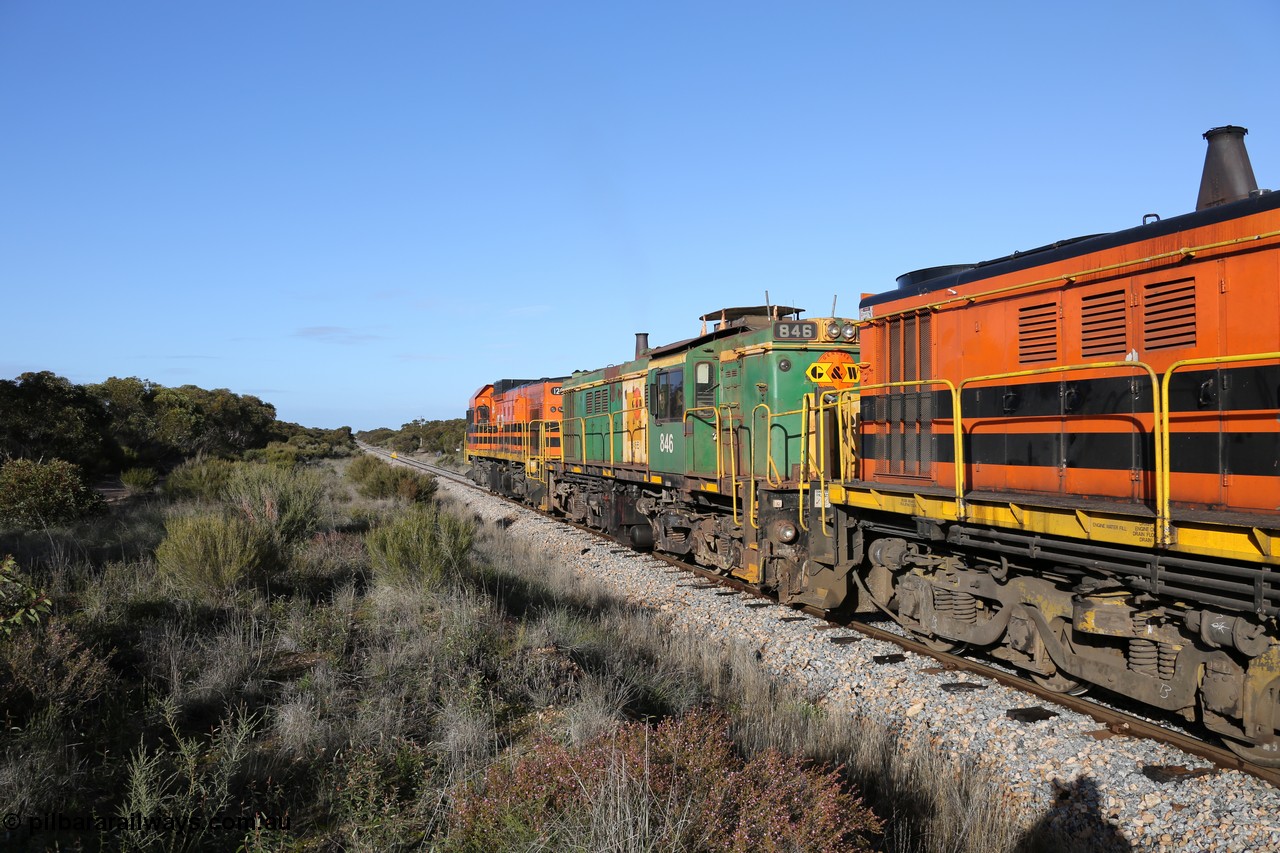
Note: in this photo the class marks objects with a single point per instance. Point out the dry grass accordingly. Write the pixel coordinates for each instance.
(367, 703)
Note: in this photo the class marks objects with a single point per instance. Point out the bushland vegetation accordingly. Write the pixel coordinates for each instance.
(442, 438)
(121, 424)
(262, 658)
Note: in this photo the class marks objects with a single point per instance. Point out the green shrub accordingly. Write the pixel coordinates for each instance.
(20, 602)
(420, 544)
(139, 479)
(363, 467)
(376, 479)
(40, 494)
(285, 502)
(203, 478)
(211, 555)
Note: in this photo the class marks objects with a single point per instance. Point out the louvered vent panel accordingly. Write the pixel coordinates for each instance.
(1102, 325)
(1038, 333)
(1169, 315)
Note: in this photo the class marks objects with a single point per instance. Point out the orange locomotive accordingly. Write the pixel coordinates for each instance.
(513, 434)
(1070, 457)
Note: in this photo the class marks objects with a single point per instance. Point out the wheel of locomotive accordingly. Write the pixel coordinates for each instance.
(940, 644)
(1060, 683)
(1264, 755)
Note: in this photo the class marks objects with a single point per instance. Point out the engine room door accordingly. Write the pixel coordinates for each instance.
(666, 420)
(701, 442)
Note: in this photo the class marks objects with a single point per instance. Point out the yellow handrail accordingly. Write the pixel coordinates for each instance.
(583, 421)
(768, 445)
(1100, 365)
(541, 457)
(733, 462)
(1164, 516)
(956, 427)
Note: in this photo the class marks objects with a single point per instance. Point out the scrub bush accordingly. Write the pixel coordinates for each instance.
(42, 494)
(285, 502)
(421, 544)
(139, 479)
(376, 479)
(201, 478)
(211, 555)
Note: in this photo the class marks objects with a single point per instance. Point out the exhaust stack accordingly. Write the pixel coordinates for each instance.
(642, 343)
(1228, 175)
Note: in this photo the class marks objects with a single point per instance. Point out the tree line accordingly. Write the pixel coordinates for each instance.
(110, 426)
(419, 436)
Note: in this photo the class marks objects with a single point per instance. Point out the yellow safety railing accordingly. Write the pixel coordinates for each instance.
(536, 462)
(1160, 464)
(807, 422)
(733, 458)
(1164, 476)
(956, 428)
(582, 435)
(768, 446)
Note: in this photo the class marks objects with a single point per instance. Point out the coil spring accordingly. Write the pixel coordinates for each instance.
(1168, 657)
(1143, 656)
(960, 605)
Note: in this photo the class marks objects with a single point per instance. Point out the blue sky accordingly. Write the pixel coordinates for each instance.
(360, 212)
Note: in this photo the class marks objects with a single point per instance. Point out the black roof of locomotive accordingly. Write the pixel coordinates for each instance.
(911, 284)
(504, 385)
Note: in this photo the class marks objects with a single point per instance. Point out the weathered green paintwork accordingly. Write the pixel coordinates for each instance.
(743, 398)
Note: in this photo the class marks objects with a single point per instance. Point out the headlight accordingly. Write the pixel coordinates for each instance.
(785, 532)
(848, 331)
(833, 330)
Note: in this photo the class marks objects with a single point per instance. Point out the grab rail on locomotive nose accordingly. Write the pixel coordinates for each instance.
(957, 426)
(543, 431)
(768, 445)
(1158, 425)
(1165, 516)
(807, 426)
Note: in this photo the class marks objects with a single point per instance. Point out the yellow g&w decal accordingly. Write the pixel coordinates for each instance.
(836, 369)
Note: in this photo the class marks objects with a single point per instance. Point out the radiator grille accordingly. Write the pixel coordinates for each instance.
(1038, 333)
(1102, 325)
(1169, 318)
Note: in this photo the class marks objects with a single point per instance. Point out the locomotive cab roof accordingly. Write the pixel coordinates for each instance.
(751, 317)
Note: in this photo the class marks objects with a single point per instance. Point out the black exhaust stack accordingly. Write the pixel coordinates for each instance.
(642, 343)
(1228, 175)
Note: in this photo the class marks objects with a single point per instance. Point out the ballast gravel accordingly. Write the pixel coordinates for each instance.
(1108, 792)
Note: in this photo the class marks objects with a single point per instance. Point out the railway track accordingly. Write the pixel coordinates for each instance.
(1114, 720)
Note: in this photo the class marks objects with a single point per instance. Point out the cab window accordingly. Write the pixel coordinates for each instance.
(668, 395)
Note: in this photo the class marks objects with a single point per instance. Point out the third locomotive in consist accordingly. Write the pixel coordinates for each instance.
(1069, 458)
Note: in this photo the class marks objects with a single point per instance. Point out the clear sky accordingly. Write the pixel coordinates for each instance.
(362, 211)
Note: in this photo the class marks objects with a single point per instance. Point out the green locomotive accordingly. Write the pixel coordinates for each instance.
(717, 447)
